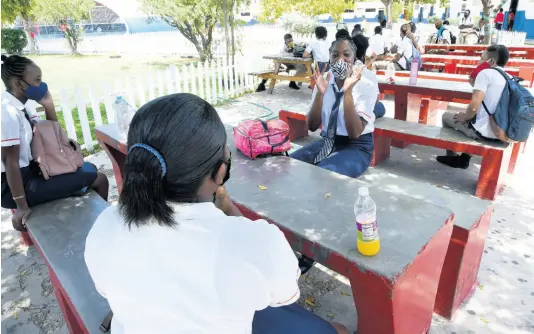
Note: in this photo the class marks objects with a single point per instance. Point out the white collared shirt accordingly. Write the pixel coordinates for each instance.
(405, 48)
(16, 130)
(377, 45)
(209, 274)
(320, 50)
(365, 93)
(466, 20)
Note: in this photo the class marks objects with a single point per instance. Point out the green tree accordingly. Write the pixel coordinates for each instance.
(67, 15)
(195, 19)
(11, 9)
(273, 9)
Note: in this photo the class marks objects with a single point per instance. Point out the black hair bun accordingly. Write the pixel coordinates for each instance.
(343, 33)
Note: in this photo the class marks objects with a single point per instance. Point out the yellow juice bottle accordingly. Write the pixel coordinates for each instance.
(368, 242)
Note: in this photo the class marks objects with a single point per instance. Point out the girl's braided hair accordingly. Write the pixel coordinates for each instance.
(13, 67)
(343, 35)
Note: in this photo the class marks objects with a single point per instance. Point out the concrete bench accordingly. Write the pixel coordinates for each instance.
(58, 230)
(414, 236)
(496, 157)
(461, 68)
(472, 217)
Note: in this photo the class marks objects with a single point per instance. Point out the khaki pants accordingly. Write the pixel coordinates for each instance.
(449, 122)
(383, 65)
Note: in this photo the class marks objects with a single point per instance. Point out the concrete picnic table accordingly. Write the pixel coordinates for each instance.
(286, 59)
(401, 280)
(470, 60)
(472, 50)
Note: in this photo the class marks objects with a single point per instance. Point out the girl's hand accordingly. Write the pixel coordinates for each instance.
(320, 82)
(19, 219)
(353, 76)
(47, 100)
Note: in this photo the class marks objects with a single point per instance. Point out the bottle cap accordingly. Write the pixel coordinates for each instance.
(363, 191)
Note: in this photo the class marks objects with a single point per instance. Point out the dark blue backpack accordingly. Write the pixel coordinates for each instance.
(515, 112)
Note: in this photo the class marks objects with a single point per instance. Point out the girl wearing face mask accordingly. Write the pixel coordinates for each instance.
(22, 185)
(342, 104)
(171, 259)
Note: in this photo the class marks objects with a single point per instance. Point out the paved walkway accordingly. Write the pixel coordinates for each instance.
(503, 302)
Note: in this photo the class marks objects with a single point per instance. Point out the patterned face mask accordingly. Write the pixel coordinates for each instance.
(339, 69)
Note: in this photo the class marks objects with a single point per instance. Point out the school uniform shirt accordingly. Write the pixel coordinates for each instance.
(466, 20)
(208, 274)
(320, 49)
(388, 37)
(377, 45)
(446, 36)
(16, 130)
(492, 84)
(364, 93)
(405, 49)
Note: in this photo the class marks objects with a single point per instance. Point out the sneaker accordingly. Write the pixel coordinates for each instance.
(261, 88)
(459, 161)
(305, 264)
(293, 85)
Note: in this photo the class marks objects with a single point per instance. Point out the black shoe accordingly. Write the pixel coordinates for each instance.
(261, 88)
(460, 161)
(305, 264)
(293, 85)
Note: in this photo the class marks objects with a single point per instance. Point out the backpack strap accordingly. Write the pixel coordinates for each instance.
(106, 323)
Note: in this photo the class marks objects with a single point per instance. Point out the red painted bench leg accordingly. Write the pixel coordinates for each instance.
(298, 128)
(382, 149)
(73, 323)
(516, 151)
(460, 269)
(492, 173)
(403, 304)
(26, 240)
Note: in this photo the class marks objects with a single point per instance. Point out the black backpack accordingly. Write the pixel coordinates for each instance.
(453, 38)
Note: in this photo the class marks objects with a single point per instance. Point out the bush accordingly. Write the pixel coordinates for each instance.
(302, 25)
(432, 19)
(13, 40)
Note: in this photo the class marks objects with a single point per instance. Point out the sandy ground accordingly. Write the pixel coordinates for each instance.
(502, 303)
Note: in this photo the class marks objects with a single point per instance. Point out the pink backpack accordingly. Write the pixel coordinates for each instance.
(256, 137)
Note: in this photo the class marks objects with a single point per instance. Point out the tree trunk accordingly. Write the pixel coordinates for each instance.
(27, 31)
(486, 8)
(389, 13)
(72, 39)
(226, 38)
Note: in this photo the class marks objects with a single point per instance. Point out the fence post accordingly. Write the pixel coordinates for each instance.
(141, 92)
(110, 113)
(193, 79)
(207, 76)
(185, 79)
(200, 76)
(176, 78)
(130, 93)
(161, 90)
(225, 80)
(95, 105)
(66, 110)
(151, 94)
(213, 71)
(170, 81)
(231, 75)
(84, 121)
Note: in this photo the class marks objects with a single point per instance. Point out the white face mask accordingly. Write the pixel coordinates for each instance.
(339, 69)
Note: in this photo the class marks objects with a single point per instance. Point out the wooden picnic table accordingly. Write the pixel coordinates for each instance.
(414, 234)
(472, 50)
(469, 60)
(279, 60)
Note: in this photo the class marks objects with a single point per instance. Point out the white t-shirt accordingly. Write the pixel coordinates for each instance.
(365, 93)
(466, 21)
(446, 36)
(492, 84)
(405, 49)
(388, 37)
(320, 49)
(209, 274)
(377, 45)
(16, 130)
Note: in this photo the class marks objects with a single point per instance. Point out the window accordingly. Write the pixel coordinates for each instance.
(370, 10)
(349, 11)
(245, 14)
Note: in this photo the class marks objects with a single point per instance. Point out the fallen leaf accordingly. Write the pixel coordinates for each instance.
(331, 315)
(480, 286)
(310, 301)
(484, 320)
(328, 195)
(345, 293)
(22, 273)
(439, 186)
(262, 187)
(15, 315)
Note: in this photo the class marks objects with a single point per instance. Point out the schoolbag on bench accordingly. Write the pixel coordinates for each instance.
(514, 117)
(256, 137)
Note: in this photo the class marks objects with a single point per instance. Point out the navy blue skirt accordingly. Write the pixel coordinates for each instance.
(38, 190)
(290, 319)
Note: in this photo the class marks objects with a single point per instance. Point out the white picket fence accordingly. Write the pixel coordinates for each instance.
(211, 81)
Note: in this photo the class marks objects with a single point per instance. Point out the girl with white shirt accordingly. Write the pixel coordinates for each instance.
(176, 255)
(343, 105)
(22, 184)
(319, 49)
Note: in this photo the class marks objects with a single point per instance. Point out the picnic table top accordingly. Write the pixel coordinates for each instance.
(474, 59)
(477, 47)
(295, 198)
(436, 85)
(59, 229)
(432, 132)
(280, 58)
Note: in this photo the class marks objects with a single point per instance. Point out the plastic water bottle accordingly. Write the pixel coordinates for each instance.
(414, 71)
(123, 115)
(368, 242)
(390, 73)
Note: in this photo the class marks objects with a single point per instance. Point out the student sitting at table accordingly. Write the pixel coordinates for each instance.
(23, 185)
(475, 121)
(403, 52)
(343, 105)
(208, 268)
(287, 50)
(319, 49)
(377, 44)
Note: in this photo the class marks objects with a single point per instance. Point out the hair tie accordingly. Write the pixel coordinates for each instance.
(155, 153)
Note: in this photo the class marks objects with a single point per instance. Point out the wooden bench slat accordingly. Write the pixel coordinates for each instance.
(59, 229)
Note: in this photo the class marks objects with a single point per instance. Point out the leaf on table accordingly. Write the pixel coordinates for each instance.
(484, 320)
(310, 301)
(15, 315)
(345, 293)
(262, 187)
(330, 315)
(480, 286)
(328, 195)
(22, 273)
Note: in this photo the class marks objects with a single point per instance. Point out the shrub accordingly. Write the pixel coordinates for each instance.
(13, 40)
